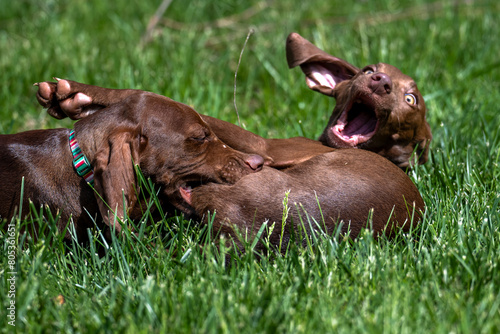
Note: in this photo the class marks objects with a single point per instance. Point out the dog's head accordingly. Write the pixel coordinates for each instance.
(170, 144)
(378, 108)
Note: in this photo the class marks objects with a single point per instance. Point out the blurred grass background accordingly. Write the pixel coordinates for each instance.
(446, 282)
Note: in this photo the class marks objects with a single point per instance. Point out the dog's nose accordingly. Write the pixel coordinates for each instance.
(381, 83)
(255, 161)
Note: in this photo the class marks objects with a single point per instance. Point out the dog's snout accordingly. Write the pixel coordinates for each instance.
(254, 161)
(381, 83)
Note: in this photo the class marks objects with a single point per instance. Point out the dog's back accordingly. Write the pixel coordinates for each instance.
(41, 158)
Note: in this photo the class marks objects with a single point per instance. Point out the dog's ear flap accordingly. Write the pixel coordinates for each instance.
(115, 177)
(323, 71)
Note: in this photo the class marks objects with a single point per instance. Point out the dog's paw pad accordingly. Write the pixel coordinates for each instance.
(76, 103)
(45, 92)
(63, 89)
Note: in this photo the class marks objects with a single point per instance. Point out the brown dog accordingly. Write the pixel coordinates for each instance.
(356, 187)
(168, 141)
(378, 109)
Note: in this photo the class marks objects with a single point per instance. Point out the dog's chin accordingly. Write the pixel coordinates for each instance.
(357, 124)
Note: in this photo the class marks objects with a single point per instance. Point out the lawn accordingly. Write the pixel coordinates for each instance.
(441, 278)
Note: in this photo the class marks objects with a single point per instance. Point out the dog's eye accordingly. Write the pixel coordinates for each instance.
(369, 71)
(200, 134)
(200, 138)
(410, 99)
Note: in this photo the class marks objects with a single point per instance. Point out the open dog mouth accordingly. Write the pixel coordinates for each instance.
(357, 123)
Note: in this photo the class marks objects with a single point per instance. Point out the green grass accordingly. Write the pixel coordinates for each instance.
(447, 281)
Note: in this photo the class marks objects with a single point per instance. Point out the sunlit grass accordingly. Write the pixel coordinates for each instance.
(168, 275)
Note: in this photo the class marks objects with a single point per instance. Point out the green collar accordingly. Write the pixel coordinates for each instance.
(80, 162)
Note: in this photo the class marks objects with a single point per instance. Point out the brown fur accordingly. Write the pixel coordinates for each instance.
(397, 129)
(380, 91)
(340, 186)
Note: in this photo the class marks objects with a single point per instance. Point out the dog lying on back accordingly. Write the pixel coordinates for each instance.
(378, 108)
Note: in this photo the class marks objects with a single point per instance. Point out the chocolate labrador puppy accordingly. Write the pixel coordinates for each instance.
(378, 108)
(89, 172)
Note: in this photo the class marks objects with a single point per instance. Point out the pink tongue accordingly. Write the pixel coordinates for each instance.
(363, 124)
(185, 194)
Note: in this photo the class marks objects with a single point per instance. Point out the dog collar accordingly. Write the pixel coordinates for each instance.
(80, 162)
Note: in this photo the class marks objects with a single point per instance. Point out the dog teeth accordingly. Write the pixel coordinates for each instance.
(339, 127)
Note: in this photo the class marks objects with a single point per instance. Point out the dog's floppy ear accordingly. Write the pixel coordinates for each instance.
(114, 175)
(323, 71)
